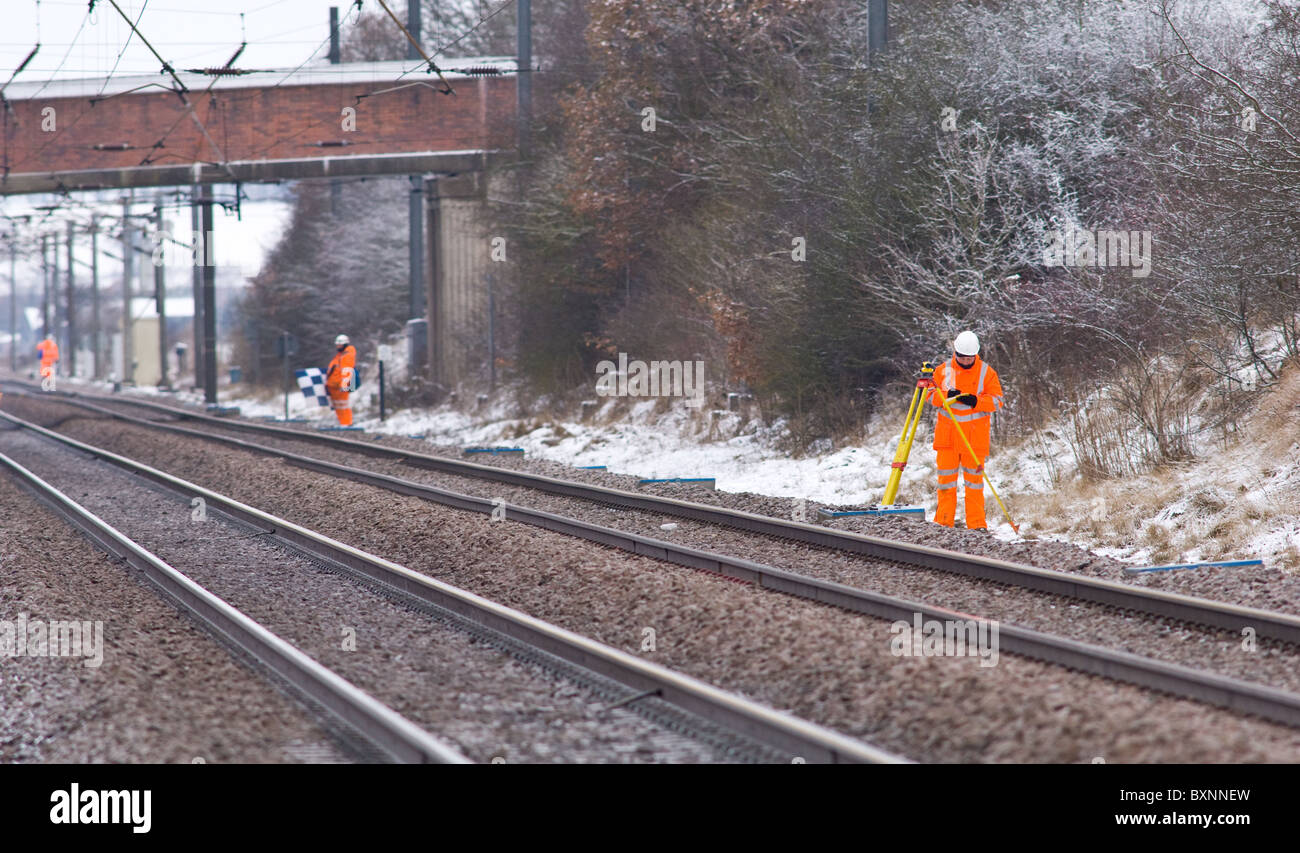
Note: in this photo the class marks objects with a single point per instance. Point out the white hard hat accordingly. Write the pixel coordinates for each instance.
(341, 341)
(967, 343)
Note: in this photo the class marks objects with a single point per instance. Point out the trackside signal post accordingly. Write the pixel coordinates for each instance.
(286, 346)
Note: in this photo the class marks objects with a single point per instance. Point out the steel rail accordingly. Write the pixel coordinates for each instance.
(390, 732)
(800, 738)
(1184, 608)
(1210, 688)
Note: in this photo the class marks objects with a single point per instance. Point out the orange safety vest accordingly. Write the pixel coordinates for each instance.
(978, 379)
(49, 351)
(342, 369)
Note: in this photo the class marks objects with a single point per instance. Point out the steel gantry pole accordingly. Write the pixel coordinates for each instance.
(523, 75)
(413, 27)
(160, 292)
(415, 215)
(97, 349)
(45, 286)
(56, 309)
(128, 272)
(13, 305)
(72, 302)
(196, 238)
(877, 26)
(209, 304)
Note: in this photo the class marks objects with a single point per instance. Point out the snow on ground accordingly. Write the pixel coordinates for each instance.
(1226, 504)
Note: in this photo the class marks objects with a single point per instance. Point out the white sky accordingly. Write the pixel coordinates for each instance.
(188, 34)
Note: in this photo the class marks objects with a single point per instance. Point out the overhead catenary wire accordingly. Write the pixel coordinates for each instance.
(126, 43)
(429, 63)
(354, 8)
(185, 11)
(481, 21)
(181, 89)
(19, 70)
(229, 71)
(458, 39)
(135, 30)
(36, 49)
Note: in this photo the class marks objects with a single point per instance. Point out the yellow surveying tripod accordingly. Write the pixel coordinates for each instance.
(886, 507)
(923, 383)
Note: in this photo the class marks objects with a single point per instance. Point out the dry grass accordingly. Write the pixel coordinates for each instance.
(1216, 516)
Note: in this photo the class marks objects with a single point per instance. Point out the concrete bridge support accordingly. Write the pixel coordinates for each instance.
(458, 260)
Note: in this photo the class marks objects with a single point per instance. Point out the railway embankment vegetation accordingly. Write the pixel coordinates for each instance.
(1105, 191)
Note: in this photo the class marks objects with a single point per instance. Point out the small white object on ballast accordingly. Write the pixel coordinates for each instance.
(672, 525)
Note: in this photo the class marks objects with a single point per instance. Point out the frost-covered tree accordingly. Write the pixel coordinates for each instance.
(340, 270)
(1233, 144)
(447, 29)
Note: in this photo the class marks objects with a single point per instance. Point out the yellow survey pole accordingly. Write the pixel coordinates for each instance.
(947, 404)
(904, 449)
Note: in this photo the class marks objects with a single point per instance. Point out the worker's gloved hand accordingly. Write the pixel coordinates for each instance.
(952, 392)
(968, 399)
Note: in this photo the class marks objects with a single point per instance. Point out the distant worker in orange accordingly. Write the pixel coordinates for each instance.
(976, 393)
(49, 353)
(339, 379)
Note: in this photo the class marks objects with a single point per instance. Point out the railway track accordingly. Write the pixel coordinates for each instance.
(1183, 608)
(344, 704)
(1211, 688)
(681, 701)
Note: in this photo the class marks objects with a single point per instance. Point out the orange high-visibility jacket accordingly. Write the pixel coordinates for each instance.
(341, 369)
(978, 379)
(49, 351)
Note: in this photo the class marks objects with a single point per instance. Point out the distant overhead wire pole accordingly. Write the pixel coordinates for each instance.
(877, 25)
(196, 283)
(415, 211)
(72, 301)
(13, 301)
(523, 65)
(45, 286)
(209, 300)
(97, 349)
(128, 271)
(413, 24)
(55, 305)
(160, 292)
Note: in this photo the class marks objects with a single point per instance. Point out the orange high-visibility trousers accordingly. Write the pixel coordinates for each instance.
(342, 408)
(953, 465)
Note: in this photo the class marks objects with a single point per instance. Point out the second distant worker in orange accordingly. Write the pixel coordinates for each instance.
(340, 379)
(49, 353)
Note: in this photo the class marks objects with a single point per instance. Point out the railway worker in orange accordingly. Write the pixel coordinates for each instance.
(49, 353)
(339, 379)
(976, 393)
